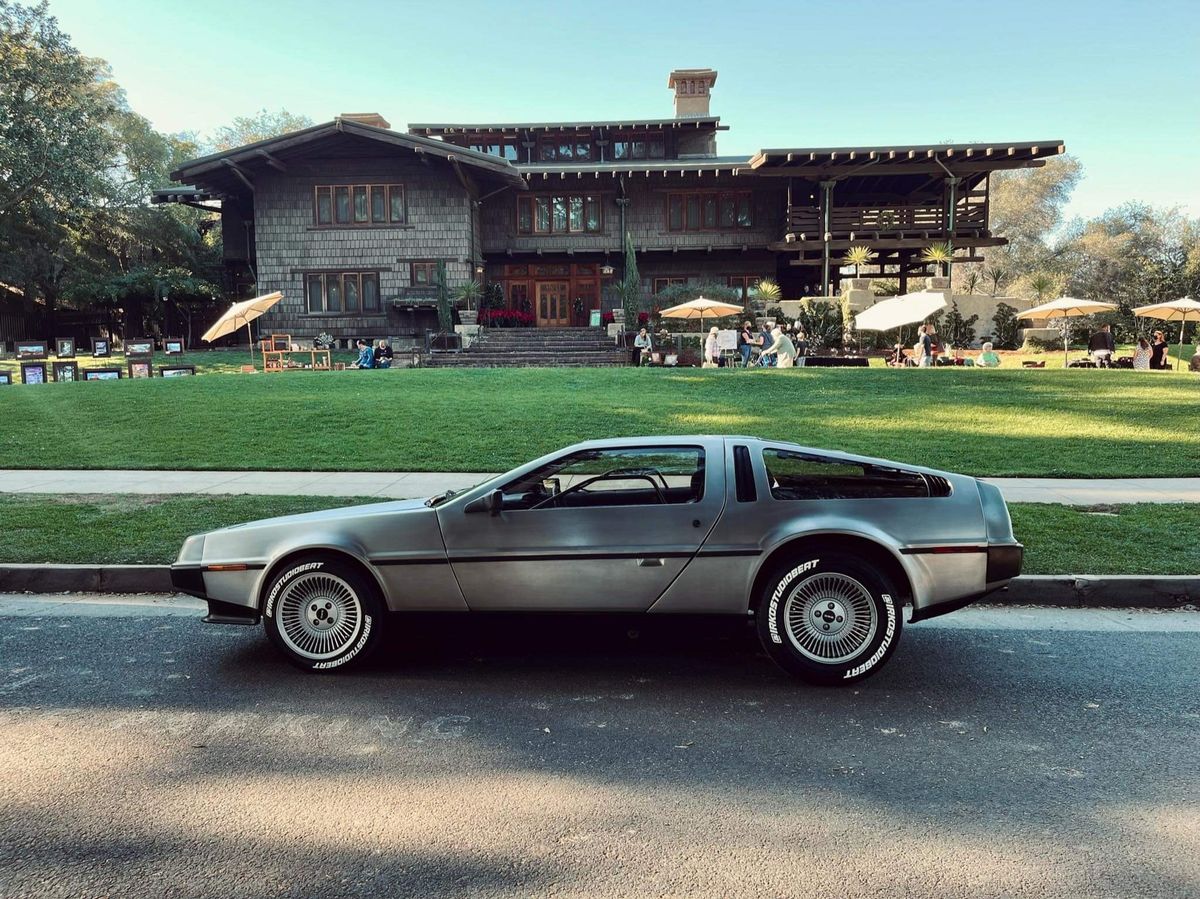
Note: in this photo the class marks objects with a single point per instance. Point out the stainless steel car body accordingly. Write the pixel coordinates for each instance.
(703, 556)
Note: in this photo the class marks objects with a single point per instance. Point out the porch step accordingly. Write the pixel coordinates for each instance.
(526, 347)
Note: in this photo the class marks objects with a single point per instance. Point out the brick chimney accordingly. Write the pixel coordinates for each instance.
(692, 89)
(366, 118)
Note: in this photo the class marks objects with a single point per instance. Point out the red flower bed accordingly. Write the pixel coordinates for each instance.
(506, 318)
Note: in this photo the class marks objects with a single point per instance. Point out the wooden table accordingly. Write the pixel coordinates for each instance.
(282, 360)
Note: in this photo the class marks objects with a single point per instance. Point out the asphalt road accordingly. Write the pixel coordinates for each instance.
(1001, 753)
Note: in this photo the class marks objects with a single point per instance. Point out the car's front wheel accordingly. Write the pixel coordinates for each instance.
(323, 613)
(829, 618)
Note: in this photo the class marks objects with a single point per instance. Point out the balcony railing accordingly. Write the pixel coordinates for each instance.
(970, 217)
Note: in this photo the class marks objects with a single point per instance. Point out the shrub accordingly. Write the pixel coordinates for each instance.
(959, 331)
(1005, 327)
(822, 325)
(507, 318)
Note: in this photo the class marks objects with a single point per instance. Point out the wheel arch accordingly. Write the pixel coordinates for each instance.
(296, 554)
(870, 550)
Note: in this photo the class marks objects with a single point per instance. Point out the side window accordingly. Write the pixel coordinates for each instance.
(637, 476)
(794, 475)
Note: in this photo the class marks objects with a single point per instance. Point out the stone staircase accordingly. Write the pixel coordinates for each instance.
(524, 347)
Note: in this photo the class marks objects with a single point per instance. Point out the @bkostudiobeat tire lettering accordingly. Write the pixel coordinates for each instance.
(323, 614)
(829, 619)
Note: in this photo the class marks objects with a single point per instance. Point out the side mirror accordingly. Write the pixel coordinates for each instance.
(492, 503)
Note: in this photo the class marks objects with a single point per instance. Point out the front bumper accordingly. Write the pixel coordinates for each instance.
(190, 579)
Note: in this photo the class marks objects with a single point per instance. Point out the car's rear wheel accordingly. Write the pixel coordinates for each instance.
(829, 618)
(323, 613)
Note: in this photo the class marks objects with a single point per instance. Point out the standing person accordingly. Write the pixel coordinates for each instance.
(712, 352)
(925, 342)
(782, 349)
(1101, 345)
(383, 354)
(1141, 355)
(746, 342)
(766, 338)
(643, 344)
(801, 342)
(1158, 352)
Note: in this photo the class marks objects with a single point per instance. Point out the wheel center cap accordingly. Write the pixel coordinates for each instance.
(322, 614)
(828, 617)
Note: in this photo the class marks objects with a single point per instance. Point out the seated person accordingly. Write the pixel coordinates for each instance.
(898, 357)
(366, 355)
(988, 358)
(383, 354)
(644, 344)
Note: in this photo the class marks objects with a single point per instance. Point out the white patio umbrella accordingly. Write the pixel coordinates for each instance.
(896, 312)
(1065, 308)
(241, 314)
(1182, 310)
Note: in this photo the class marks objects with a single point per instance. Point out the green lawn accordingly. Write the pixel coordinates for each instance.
(1138, 539)
(1006, 422)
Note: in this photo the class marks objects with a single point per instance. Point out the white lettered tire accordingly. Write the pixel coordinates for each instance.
(323, 613)
(828, 618)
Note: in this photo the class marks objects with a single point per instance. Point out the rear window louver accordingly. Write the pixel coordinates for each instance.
(938, 485)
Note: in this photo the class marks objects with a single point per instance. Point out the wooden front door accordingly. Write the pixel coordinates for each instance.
(553, 304)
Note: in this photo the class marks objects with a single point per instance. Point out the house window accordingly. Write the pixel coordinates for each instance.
(423, 274)
(745, 284)
(359, 205)
(708, 211)
(639, 146)
(565, 148)
(561, 214)
(661, 284)
(350, 293)
(504, 149)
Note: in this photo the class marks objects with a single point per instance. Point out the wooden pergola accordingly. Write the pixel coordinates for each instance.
(894, 200)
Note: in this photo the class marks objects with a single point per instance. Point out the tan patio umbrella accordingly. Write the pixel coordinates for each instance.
(1182, 310)
(701, 308)
(1065, 308)
(239, 314)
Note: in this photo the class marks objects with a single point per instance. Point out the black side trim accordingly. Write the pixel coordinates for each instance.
(710, 553)
(944, 608)
(188, 580)
(649, 552)
(433, 560)
(941, 550)
(228, 613)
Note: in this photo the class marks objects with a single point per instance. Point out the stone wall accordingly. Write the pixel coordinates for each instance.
(289, 245)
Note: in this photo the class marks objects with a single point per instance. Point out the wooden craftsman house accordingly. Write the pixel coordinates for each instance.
(349, 218)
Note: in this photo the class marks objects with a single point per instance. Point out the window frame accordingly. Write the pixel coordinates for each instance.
(339, 279)
(528, 222)
(679, 206)
(429, 266)
(875, 479)
(390, 191)
(564, 461)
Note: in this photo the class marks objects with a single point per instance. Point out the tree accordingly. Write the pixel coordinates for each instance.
(959, 331)
(1026, 206)
(263, 125)
(444, 308)
(629, 289)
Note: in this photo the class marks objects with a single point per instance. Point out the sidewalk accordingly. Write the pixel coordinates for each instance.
(405, 485)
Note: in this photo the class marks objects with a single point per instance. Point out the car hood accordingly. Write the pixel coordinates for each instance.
(340, 514)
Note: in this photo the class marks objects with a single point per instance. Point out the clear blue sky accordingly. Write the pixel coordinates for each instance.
(1116, 79)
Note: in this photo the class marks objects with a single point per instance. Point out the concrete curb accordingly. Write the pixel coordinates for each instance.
(85, 579)
(1079, 591)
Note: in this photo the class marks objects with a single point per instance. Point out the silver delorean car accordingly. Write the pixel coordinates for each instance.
(822, 548)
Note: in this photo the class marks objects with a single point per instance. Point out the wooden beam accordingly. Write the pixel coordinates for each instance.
(889, 243)
(241, 175)
(903, 168)
(272, 161)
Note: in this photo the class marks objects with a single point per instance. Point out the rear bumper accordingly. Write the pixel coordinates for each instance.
(1004, 562)
(188, 579)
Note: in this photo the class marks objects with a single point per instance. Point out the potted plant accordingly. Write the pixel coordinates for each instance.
(469, 294)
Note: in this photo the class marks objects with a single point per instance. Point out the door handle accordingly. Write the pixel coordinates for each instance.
(650, 563)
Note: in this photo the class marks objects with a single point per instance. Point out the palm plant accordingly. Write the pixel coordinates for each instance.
(1043, 286)
(971, 282)
(859, 255)
(997, 277)
(767, 293)
(469, 294)
(939, 254)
